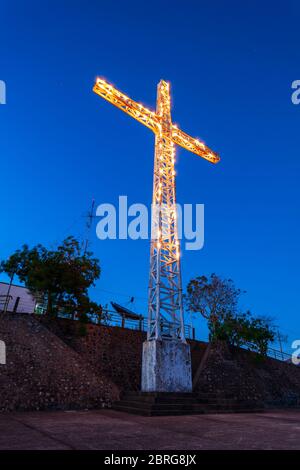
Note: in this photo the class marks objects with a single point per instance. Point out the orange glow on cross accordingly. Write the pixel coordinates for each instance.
(165, 306)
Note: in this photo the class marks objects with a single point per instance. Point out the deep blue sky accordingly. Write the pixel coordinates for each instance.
(231, 65)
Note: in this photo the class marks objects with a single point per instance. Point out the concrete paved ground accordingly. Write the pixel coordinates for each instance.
(112, 430)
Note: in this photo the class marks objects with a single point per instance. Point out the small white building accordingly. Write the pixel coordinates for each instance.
(18, 299)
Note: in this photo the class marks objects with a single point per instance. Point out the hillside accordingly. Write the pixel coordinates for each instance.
(246, 376)
(43, 372)
(237, 373)
(49, 366)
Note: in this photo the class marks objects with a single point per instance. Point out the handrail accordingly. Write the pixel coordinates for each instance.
(277, 354)
(112, 318)
(271, 352)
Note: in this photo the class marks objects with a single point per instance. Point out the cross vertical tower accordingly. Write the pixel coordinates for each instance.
(165, 310)
(166, 365)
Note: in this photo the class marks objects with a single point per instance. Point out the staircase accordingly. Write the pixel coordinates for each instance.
(173, 404)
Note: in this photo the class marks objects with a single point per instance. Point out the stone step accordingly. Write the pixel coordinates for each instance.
(184, 398)
(206, 394)
(155, 411)
(130, 408)
(219, 401)
(149, 407)
(159, 399)
(163, 403)
(160, 405)
(215, 395)
(163, 394)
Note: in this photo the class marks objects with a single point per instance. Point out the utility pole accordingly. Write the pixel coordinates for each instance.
(90, 216)
(8, 296)
(279, 336)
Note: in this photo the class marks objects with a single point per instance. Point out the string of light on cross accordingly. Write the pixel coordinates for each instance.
(165, 306)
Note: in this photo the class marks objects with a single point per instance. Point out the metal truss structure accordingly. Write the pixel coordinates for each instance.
(165, 307)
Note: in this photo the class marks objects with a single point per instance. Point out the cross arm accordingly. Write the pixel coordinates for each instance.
(126, 104)
(151, 120)
(193, 145)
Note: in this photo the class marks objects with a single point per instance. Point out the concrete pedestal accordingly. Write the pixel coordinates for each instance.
(166, 367)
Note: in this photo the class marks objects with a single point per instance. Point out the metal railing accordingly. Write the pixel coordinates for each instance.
(279, 355)
(271, 352)
(112, 318)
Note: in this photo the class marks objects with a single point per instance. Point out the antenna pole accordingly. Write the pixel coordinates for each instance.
(90, 216)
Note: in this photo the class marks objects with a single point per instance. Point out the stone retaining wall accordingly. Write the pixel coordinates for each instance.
(56, 365)
(43, 372)
(244, 375)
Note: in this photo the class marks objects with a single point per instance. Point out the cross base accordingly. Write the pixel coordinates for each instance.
(166, 366)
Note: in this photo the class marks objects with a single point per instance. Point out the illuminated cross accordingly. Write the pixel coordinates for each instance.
(165, 309)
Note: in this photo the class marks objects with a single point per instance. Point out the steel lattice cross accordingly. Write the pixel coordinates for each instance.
(165, 307)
